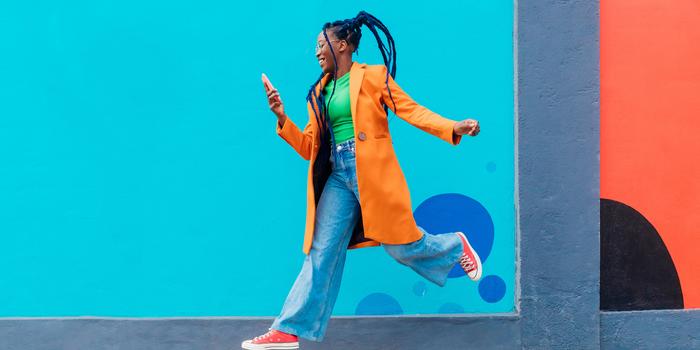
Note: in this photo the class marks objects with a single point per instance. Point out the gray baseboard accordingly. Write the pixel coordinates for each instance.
(652, 329)
(367, 333)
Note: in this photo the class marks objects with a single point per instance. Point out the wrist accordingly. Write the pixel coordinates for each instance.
(456, 137)
(280, 120)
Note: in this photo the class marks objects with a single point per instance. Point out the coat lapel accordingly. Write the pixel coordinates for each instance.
(357, 72)
(322, 83)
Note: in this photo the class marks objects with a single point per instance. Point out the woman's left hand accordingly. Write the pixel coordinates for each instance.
(467, 127)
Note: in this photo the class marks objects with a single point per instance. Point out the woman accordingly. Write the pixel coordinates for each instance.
(357, 195)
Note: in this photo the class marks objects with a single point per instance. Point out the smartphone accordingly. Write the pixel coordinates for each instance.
(267, 83)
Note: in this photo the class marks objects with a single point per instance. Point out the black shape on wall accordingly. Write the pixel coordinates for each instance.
(636, 269)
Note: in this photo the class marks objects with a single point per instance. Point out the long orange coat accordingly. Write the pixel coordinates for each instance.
(385, 202)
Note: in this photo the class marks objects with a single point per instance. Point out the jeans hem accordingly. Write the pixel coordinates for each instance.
(305, 335)
(456, 260)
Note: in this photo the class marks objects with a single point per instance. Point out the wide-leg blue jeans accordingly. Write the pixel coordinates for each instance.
(310, 302)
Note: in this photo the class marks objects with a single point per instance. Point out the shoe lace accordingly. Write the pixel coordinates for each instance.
(266, 335)
(467, 263)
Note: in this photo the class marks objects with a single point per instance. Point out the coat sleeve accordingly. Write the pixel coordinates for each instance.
(415, 114)
(300, 141)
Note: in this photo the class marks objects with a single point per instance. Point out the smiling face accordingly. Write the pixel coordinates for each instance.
(323, 52)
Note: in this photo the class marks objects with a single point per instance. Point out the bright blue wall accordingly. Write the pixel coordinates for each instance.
(140, 173)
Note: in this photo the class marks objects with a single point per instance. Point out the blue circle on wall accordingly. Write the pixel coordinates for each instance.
(492, 288)
(378, 304)
(450, 212)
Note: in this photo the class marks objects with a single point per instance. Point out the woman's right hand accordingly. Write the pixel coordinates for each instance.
(275, 102)
(273, 98)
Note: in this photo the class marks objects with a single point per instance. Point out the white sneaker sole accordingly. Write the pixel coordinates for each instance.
(248, 345)
(478, 260)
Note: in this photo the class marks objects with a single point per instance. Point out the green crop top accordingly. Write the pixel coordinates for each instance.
(339, 108)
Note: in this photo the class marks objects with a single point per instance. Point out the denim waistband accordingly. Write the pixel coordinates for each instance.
(346, 145)
(342, 150)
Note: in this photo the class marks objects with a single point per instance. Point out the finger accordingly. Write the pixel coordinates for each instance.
(273, 91)
(274, 99)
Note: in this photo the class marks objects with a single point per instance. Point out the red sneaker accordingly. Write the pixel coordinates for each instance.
(273, 339)
(470, 262)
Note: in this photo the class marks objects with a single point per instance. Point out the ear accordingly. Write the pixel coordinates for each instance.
(343, 46)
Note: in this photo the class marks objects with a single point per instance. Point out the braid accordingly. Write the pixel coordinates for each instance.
(350, 31)
(388, 53)
(316, 101)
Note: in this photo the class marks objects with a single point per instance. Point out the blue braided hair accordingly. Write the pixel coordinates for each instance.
(350, 31)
